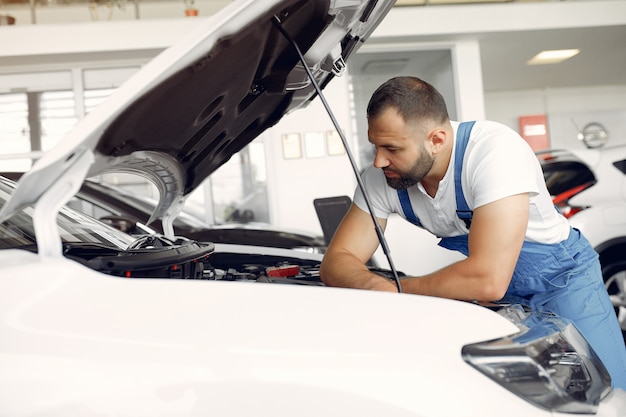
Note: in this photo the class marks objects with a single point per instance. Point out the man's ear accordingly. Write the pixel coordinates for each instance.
(437, 138)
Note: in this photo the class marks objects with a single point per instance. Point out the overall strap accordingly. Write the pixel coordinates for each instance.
(463, 211)
(462, 138)
(403, 194)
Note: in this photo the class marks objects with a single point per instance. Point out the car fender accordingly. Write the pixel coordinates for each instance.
(601, 223)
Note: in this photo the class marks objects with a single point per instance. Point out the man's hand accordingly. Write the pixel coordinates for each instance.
(353, 244)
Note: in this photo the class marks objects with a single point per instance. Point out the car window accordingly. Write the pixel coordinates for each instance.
(562, 176)
(621, 165)
(89, 208)
(75, 227)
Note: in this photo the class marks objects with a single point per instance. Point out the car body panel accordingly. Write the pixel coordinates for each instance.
(151, 345)
(600, 161)
(602, 224)
(606, 219)
(76, 342)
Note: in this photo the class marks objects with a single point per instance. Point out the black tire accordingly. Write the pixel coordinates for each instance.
(615, 280)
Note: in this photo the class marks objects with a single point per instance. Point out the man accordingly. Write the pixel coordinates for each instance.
(479, 187)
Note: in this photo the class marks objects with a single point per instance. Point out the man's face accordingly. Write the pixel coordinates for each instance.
(400, 152)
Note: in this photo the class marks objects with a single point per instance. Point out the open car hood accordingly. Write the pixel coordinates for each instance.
(202, 100)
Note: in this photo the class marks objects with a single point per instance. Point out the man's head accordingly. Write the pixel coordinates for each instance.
(407, 120)
(414, 99)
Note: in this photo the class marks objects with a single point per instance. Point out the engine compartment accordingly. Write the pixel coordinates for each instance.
(250, 267)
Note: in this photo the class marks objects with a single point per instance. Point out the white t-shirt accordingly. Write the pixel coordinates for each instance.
(498, 163)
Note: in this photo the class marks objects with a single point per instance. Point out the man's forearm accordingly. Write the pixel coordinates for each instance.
(345, 270)
(462, 280)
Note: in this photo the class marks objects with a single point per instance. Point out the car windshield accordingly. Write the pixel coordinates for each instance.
(142, 203)
(74, 228)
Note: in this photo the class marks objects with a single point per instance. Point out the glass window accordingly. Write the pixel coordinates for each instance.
(14, 132)
(239, 187)
(73, 227)
(621, 165)
(58, 116)
(92, 98)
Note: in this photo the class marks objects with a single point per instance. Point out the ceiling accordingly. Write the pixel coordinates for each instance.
(601, 61)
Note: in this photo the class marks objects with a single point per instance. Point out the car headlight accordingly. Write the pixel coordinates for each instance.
(549, 363)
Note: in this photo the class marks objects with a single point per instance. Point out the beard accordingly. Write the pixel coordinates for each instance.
(420, 168)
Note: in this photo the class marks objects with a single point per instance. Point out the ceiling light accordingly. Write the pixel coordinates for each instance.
(552, 57)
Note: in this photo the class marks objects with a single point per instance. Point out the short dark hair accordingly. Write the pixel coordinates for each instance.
(412, 97)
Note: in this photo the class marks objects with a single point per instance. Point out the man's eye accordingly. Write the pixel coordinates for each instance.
(386, 149)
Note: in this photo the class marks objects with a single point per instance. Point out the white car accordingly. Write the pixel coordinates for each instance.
(589, 187)
(77, 342)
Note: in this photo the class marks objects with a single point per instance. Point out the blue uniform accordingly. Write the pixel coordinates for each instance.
(564, 278)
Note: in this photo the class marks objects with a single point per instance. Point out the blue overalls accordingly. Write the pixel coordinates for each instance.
(564, 278)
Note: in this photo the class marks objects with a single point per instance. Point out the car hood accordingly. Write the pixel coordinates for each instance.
(74, 339)
(203, 99)
(77, 342)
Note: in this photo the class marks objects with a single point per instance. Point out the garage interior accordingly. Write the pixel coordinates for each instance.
(475, 52)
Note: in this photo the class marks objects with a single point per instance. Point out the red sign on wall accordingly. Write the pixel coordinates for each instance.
(535, 130)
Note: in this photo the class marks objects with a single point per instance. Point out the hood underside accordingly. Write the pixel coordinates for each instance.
(210, 109)
(206, 97)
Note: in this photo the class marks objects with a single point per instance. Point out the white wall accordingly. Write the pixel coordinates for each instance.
(606, 104)
(294, 183)
(568, 110)
(468, 80)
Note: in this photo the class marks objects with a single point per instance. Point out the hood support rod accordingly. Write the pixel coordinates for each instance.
(379, 232)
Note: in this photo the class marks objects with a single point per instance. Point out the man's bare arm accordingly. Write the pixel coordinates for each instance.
(495, 241)
(354, 243)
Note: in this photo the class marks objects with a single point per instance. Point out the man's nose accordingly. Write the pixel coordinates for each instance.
(380, 161)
